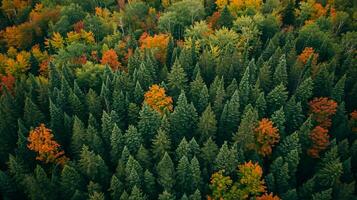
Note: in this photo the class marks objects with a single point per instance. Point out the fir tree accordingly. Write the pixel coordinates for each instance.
(160, 144)
(184, 118)
(226, 159)
(177, 79)
(207, 125)
(166, 173)
(184, 175)
(149, 122)
(133, 139)
(276, 98)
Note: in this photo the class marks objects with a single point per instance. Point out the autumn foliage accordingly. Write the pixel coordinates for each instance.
(251, 175)
(7, 81)
(157, 99)
(268, 197)
(320, 141)
(48, 150)
(158, 43)
(110, 57)
(306, 54)
(322, 109)
(267, 136)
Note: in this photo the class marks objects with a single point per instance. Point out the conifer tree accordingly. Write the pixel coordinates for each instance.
(70, 181)
(177, 79)
(230, 117)
(32, 114)
(184, 175)
(149, 122)
(160, 144)
(207, 125)
(280, 75)
(199, 93)
(196, 174)
(245, 88)
(226, 159)
(144, 157)
(244, 137)
(165, 195)
(136, 194)
(116, 187)
(116, 144)
(93, 166)
(133, 139)
(184, 118)
(149, 183)
(166, 173)
(276, 98)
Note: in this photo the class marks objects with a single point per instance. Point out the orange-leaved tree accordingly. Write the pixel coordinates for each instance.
(48, 150)
(156, 98)
(268, 197)
(110, 57)
(322, 109)
(267, 136)
(158, 43)
(250, 179)
(320, 141)
(7, 81)
(306, 54)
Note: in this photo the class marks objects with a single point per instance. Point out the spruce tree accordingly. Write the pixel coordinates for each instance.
(32, 114)
(116, 144)
(199, 93)
(149, 184)
(244, 137)
(149, 122)
(160, 144)
(166, 173)
(280, 74)
(207, 125)
(226, 159)
(177, 79)
(276, 98)
(165, 195)
(182, 149)
(116, 187)
(70, 181)
(133, 139)
(136, 194)
(229, 120)
(196, 173)
(184, 119)
(225, 19)
(183, 175)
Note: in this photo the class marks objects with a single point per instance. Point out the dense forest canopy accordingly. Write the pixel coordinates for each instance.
(178, 99)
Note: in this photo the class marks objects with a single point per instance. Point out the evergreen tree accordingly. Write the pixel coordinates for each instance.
(196, 174)
(245, 88)
(149, 122)
(244, 137)
(226, 159)
(70, 181)
(166, 173)
(184, 118)
(209, 152)
(276, 98)
(183, 175)
(32, 114)
(304, 91)
(93, 166)
(116, 143)
(177, 79)
(199, 93)
(149, 183)
(225, 19)
(230, 117)
(182, 149)
(78, 136)
(93, 103)
(133, 139)
(143, 156)
(116, 187)
(165, 195)
(261, 105)
(136, 194)
(280, 75)
(207, 125)
(160, 144)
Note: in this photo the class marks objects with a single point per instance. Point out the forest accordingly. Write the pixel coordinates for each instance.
(178, 99)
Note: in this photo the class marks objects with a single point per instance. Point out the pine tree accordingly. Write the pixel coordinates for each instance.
(207, 125)
(293, 113)
(32, 114)
(278, 118)
(245, 88)
(339, 89)
(304, 91)
(183, 175)
(136, 194)
(196, 174)
(182, 149)
(193, 148)
(226, 159)
(133, 179)
(93, 103)
(230, 117)
(160, 144)
(219, 98)
(177, 79)
(124, 196)
(70, 181)
(149, 122)
(78, 136)
(166, 173)
(209, 152)
(199, 93)
(138, 93)
(93, 166)
(116, 144)
(261, 105)
(133, 139)
(165, 195)
(120, 106)
(144, 157)
(184, 118)
(280, 75)
(244, 137)
(116, 187)
(264, 76)
(276, 98)
(149, 183)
